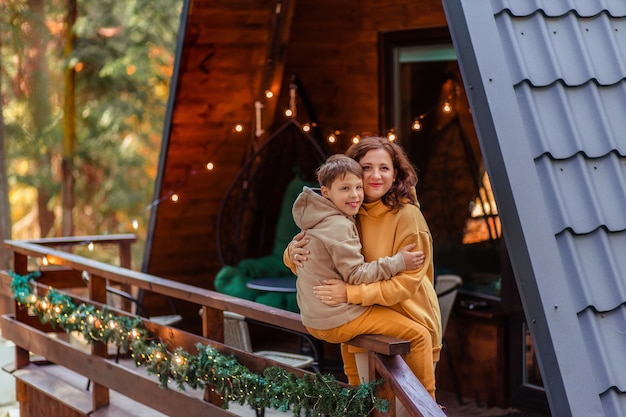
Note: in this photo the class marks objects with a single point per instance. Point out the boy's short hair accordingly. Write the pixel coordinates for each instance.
(336, 166)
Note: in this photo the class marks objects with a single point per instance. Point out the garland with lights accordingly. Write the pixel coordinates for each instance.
(315, 395)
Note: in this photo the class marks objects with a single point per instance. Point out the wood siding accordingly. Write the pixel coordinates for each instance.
(229, 53)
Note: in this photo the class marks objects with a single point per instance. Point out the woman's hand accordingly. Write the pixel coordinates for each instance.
(332, 293)
(296, 251)
(412, 260)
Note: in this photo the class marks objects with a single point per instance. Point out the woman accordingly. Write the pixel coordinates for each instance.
(388, 220)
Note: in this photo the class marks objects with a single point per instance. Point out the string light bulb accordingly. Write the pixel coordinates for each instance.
(238, 128)
(210, 166)
(447, 107)
(356, 139)
(391, 135)
(269, 93)
(174, 198)
(306, 127)
(331, 138)
(417, 124)
(288, 112)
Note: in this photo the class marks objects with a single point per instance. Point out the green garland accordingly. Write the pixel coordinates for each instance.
(315, 395)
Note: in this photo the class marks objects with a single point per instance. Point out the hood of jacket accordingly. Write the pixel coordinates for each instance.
(311, 208)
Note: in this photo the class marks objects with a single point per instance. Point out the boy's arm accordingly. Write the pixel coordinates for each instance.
(352, 268)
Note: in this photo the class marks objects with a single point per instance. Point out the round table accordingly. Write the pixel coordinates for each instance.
(275, 284)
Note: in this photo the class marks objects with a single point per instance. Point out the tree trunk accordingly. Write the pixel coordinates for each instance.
(6, 305)
(38, 100)
(69, 126)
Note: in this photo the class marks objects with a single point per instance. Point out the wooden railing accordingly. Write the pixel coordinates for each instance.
(105, 374)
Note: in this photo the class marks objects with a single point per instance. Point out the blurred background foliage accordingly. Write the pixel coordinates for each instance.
(120, 59)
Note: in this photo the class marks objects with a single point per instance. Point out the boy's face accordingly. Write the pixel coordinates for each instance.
(346, 193)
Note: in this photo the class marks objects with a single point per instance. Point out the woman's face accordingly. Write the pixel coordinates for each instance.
(378, 174)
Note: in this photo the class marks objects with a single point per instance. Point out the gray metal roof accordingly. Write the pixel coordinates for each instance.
(546, 82)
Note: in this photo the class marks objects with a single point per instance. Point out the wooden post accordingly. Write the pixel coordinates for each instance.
(212, 328)
(20, 266)
(126, 262)
(98, 293)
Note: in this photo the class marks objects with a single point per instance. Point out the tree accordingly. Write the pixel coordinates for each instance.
(121, 62)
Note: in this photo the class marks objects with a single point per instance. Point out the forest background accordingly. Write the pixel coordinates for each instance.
(84, 86)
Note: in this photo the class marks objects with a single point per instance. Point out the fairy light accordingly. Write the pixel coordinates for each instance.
(174, 198)
(179, 360)
(288, 113)
(269, 93)
(306, 127)
(356, 138)
(135, 224)
(134, 334)
(391, 136)
(417, 124)
(447, 107)
(90, 246)
(210, 166)
(238, 128)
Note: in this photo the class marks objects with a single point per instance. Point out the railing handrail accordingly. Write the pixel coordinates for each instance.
(162, 286)
(86, 239)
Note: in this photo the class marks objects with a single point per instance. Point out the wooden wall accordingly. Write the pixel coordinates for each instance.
(232, 52)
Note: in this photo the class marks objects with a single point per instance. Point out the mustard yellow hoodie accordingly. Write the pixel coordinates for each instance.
(383, 232)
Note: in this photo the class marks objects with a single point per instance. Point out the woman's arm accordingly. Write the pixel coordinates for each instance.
(410, 226)
(295, 254)
(387, 293)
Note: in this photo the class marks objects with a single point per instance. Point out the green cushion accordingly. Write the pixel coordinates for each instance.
(232, 280)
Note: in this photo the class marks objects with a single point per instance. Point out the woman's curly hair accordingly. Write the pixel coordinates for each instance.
(403, 188)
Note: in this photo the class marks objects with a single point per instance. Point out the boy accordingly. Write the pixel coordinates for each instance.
(327, 216)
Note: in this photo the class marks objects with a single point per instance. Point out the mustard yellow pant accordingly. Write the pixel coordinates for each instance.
(384, 320)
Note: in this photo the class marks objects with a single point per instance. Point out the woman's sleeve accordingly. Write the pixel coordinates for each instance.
(288, 262)
(411, 228)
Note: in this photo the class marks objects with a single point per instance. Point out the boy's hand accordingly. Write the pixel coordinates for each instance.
(412, 260)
